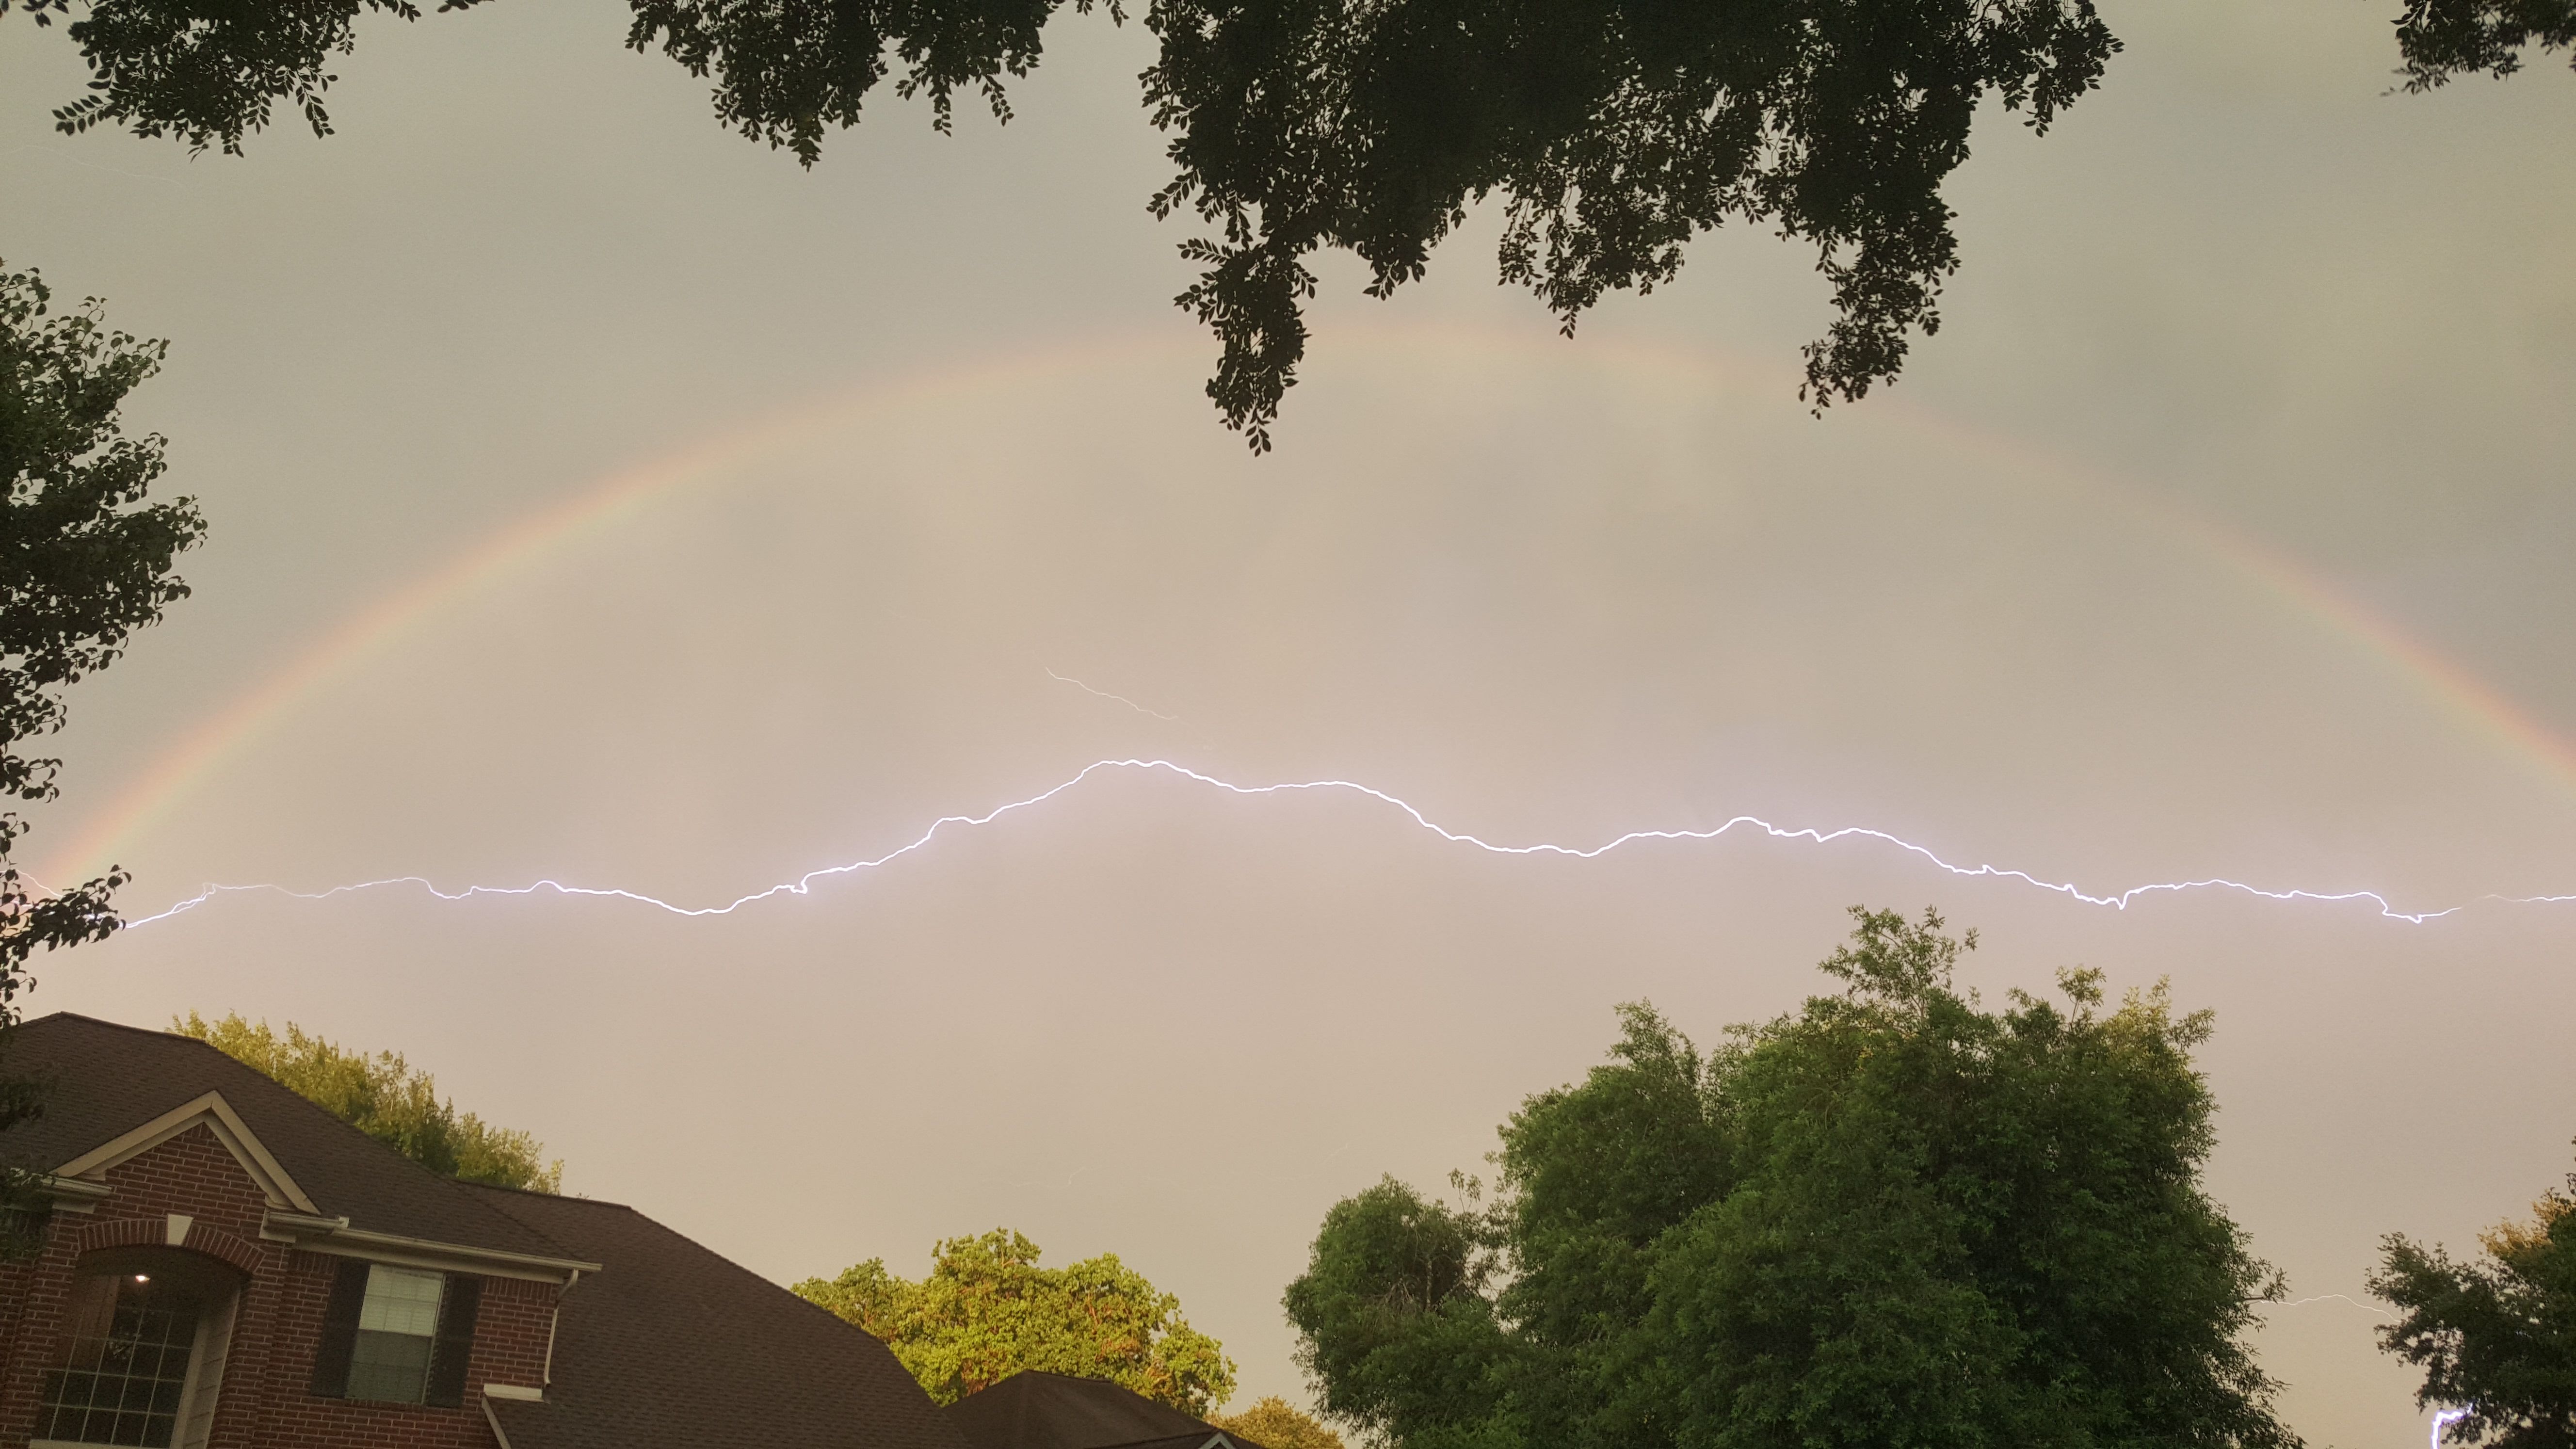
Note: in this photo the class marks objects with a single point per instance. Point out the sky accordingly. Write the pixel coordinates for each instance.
(598, 497)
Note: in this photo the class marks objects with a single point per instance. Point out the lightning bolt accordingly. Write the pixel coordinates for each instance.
(805, 883)
(2444, 1420)
(2344, 1298)
(1122, 699)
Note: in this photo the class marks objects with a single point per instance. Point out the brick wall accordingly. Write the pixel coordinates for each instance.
(265, 1402)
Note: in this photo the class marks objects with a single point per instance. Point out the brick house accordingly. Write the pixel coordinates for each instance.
(228, 1266)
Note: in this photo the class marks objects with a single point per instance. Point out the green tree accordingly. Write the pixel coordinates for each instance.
(1613, 131)
(1273, 1423)
(1893, 1218)
(988, 1311)
(1396, 1327)
(2496, 1338)
(384, 1097)
(84, 562)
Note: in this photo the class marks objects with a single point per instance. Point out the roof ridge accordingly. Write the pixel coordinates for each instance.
(264, 1082)
(150, 1031)
(541, 1193)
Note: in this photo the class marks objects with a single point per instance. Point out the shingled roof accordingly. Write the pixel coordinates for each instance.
(1033, 1410)
(108, 1079)
(672, 1344)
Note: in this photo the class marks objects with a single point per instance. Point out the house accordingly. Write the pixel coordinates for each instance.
(228, 1266)
(1034, 1410)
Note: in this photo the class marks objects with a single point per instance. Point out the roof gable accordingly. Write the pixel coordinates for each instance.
(215, 1114)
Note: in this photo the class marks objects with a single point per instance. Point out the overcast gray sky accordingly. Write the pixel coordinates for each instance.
(597, 496)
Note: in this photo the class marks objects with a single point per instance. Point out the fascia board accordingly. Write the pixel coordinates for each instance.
(335, 1237)
(275, 1182)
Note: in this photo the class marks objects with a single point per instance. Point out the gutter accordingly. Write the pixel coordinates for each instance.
(74, 1194)
(334, 1236)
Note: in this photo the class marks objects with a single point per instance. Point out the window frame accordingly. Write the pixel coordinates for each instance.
(382, 1299)
(451, 1340)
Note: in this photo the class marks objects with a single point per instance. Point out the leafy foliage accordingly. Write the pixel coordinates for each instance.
(785, 73)
(1273, 1423)
(1613, 131)
(2441, 39)
(2495, 1338)
(1395, 1324)
(84, 562)
(384, 1097)
(988, 1311)
(208, 73)
(24, 1211)
(1892, 1218)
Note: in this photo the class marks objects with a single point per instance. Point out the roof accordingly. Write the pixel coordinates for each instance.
(1033, 1410)
(673, 1344)
(108, 1079)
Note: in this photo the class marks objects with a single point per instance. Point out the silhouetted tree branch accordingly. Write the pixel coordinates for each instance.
(1612, 131)
(2441, 39)
(84, 562)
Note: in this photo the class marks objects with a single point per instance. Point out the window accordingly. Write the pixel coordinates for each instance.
(396, 1327)
(125, 1375)
(396, 1335)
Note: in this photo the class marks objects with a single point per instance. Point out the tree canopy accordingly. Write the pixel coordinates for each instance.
(1892, 1218)
(1274, 1423)
(988, 1311)
(386, 1098)
(1612, 131)
(84, 562)
(2441, 39)
(2495, 1336)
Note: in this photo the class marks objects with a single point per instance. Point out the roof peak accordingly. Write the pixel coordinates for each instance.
(87, 1020)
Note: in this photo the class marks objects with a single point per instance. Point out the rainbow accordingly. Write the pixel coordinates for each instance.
(2478, 707)
(258, 710)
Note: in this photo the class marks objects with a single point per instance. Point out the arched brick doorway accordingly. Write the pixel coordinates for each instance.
(146, 1333)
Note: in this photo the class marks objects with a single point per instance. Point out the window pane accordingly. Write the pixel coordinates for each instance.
(402, 1300)
(390, 1368)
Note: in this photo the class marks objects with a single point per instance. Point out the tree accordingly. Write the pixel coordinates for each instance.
(1273, 1423)
(84, 562)
(2496, 1338)
(2441, 39)
(1613, 131)
(988, 1311)
(1396, 1326)
(384, 1097)
(1893, 1218)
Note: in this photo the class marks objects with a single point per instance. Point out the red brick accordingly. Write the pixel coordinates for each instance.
(265, 1402)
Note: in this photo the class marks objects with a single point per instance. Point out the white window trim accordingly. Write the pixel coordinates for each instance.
(206, 1384)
